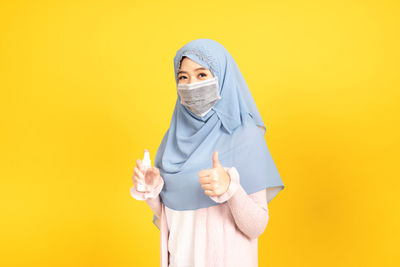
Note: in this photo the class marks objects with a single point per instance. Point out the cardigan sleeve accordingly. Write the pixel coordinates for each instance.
(250, 212)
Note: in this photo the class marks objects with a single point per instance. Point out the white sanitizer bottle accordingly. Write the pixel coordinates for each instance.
(141, 186)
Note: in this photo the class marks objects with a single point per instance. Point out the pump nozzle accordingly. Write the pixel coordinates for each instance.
(146, 159)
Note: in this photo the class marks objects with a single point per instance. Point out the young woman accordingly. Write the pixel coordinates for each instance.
(213, 176)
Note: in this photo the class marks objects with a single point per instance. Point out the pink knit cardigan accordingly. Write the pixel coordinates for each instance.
(226, 235)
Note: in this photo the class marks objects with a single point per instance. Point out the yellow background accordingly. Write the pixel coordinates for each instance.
(87, 85)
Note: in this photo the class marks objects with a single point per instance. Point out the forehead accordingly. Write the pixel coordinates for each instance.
(187, 64)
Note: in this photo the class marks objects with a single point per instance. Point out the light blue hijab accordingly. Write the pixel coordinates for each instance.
(231, 127)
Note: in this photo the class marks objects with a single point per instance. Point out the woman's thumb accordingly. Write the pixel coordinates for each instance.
(216, 160)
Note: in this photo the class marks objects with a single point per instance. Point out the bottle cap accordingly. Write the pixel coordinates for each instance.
(146, 159)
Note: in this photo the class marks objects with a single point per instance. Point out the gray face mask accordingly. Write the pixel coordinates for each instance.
(199, 97)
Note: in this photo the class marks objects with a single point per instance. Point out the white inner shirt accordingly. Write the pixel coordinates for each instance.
(181, 233)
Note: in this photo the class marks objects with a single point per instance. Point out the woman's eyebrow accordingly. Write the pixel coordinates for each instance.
(181, 71)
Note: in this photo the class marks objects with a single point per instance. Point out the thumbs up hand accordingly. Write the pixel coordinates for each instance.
(215, 181)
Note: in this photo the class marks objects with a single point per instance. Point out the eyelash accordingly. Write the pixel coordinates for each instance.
(199, 74)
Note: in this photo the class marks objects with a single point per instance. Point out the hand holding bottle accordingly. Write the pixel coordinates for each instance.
(145, 177)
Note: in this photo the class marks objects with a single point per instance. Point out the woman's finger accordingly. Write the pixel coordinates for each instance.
(204, 173)
(135, 170)
(139, 179)
(205, 180)
(139, 173)
(135, 179)
(207, 187)
(139, 164)
(209, 193)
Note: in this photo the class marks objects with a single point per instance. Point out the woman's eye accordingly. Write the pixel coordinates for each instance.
(180, 78)
(203, 74)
